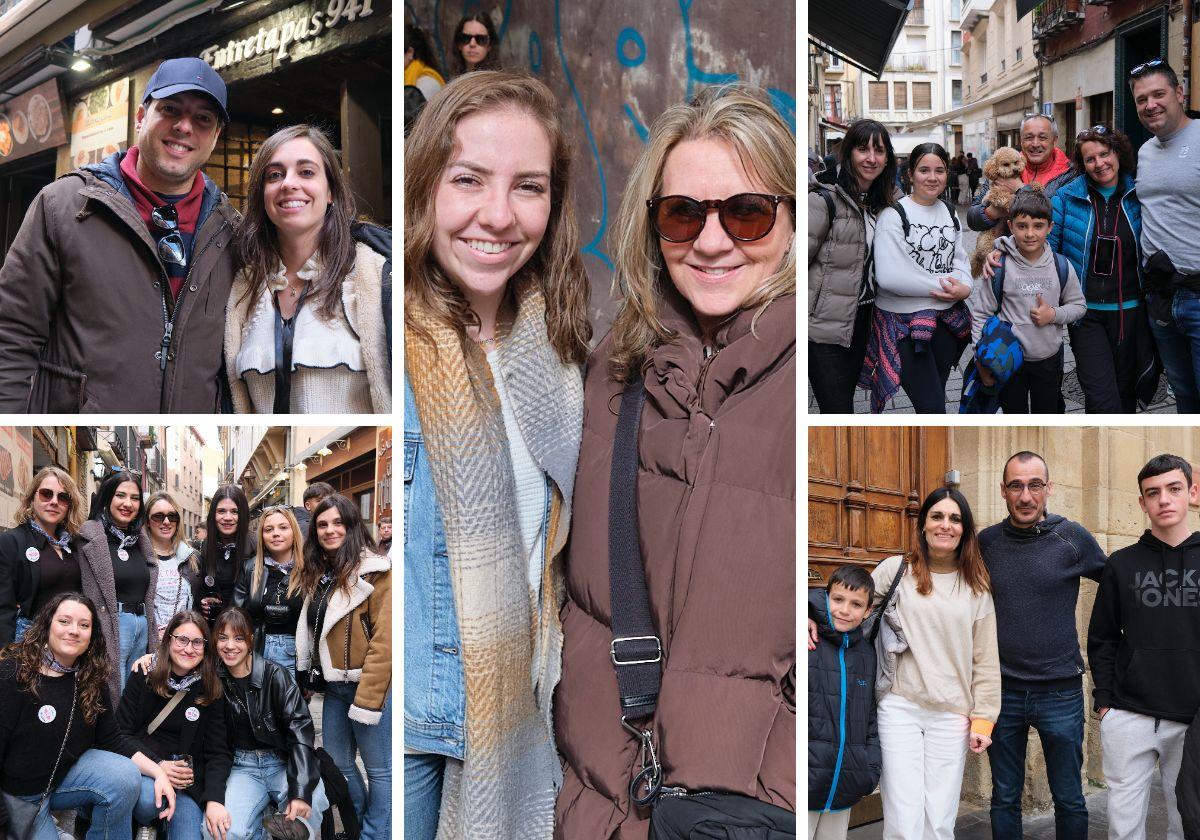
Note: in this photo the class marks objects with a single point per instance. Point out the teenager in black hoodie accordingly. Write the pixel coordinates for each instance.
(1144, 649)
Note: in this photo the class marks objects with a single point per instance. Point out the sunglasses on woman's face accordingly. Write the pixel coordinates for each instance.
(46, 495)
(746, 217)
(465, 38)
(160, 517)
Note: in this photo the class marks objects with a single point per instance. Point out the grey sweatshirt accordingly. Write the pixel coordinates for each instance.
(908, 268)
(1023, 282)
(1168, 186)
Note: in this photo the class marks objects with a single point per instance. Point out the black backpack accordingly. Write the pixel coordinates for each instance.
(337, 791)
(906, 226)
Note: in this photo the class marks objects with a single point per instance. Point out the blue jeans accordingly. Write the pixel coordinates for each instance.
(281, 649)
(1058, 718)
(422, 795)
(185, 823)
(1179, 348)
(132, 629)
(102, 785)
(22, 625)
(258, 779)
(341, 737)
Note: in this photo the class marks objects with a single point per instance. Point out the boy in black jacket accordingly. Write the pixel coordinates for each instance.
(844, 758)
(1144, 649)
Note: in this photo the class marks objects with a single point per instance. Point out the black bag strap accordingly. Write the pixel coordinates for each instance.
(887, 599)
(636, 649)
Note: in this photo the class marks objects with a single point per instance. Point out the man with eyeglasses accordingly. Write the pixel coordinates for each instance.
(1168, 187)
(112, 297)
(1035, 560)
(1045, 163)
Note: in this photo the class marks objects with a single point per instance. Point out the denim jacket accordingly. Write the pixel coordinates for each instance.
(435, 700)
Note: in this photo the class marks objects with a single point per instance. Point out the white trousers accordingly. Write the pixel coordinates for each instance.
(1133, 746)
(828, 825)
(924, 753)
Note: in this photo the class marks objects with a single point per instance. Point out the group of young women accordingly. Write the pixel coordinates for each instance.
(509, 448)
(868, 317)
(142, 680)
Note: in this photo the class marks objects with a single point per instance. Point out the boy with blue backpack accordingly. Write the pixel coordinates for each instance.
(844, 758)
(1034, 294)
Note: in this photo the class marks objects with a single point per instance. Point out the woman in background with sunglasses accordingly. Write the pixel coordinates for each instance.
(269, 588)
(476, 46)
(37, 557)
(495, 330)
(706, 260)
(178, 562)
(921, 324)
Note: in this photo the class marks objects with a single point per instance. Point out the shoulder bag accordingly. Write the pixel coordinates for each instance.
(636, 652)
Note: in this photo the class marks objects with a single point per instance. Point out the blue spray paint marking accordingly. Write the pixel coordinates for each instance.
(695, 74)
(638, 126)
(593, 246)
(785, 104)
(504, 23)
(535, 52)
(630, 36)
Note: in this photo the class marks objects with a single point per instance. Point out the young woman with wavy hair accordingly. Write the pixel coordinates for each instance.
(495, 330)
(945, 694)
(38, 557)
(306, 329)
(705, 249)
(58, 731)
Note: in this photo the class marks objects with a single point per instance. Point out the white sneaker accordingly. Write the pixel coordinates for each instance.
(146, 832)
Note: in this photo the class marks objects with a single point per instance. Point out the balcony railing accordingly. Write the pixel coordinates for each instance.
(1054, 16)
(915, 18)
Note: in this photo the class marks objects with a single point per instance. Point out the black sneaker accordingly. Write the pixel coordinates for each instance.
(282, 828)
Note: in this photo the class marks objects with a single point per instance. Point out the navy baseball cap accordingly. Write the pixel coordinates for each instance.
(179, 75)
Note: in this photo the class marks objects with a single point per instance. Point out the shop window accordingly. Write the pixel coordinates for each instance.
(229, 164)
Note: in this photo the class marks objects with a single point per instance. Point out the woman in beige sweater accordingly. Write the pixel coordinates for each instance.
(945, 695)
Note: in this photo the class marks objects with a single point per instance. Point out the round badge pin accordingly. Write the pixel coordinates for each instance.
(192, 714)
(209, 580)
(47, 714)
(122, 555)
(32, 554)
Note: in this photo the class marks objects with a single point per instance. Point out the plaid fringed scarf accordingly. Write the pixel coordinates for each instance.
(881, 369)
(505, 789)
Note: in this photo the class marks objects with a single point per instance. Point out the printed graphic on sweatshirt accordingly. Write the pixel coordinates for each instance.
(1168, 588)
(932, 248)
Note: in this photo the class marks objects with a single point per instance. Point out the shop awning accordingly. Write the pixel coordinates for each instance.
(861, 33)
(1024, 7)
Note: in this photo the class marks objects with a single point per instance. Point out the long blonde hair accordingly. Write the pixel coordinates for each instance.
(260, 552)
(178, 538)
(766, 147)
(76, 514)
(556, 266)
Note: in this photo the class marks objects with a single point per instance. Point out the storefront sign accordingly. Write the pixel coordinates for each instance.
(31, 122)
(100, 123)
(285, 34)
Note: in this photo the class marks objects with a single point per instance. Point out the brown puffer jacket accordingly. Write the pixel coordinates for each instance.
(717, 519)
(837, 249)
(81, 305)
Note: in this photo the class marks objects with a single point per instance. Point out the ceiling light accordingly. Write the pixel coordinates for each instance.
(276, 110)
(81, 65)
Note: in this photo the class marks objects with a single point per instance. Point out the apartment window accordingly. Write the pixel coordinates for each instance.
(833, 101)
(917, 15)
(878, 92)
(922, 95)
(835, 62)
(983, 78)
(1019, 53)
(1003, 65)
(956, 47)
(900, 95)
(955, 9)
(956, 94)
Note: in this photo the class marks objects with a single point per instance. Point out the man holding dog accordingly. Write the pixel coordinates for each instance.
(1045, 163)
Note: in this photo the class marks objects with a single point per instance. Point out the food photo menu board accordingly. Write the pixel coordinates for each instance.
(31, 122)
(100, 123)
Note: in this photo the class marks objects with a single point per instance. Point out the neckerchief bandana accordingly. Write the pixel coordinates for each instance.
(125, 539)
(50, 662)
(286, 568)
(182, 683)
(62, 541)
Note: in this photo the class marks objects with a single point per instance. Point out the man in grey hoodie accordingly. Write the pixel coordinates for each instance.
(1035, 560)
(1037, 304)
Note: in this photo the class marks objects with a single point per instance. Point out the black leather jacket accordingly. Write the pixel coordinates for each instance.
(280, 720)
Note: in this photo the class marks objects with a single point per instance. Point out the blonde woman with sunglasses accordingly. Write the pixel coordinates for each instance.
(37, 557)
(269, 589)
(178, 562)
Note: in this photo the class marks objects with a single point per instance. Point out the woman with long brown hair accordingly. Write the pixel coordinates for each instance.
(37, 557)
(476, 44)
(306, 329)
(495, 331)
(60, 745)
(944, 696)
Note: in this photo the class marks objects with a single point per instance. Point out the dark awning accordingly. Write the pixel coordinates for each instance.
(1024, 7)
(862, 32)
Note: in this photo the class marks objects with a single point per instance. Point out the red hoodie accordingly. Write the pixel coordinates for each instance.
(1048, 171)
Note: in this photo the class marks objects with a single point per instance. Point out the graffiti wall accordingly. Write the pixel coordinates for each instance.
(16, 469)
(615, 65)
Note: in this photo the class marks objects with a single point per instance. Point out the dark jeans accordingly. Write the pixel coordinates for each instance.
(1178, 343)
(1058, 718)
(833, 370)
(1105, 364)
(1035, 387)
(924, 369)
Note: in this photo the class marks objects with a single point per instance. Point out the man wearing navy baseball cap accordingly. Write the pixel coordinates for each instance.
(112, 297)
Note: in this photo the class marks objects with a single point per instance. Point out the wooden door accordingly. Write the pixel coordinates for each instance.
(865, 486)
